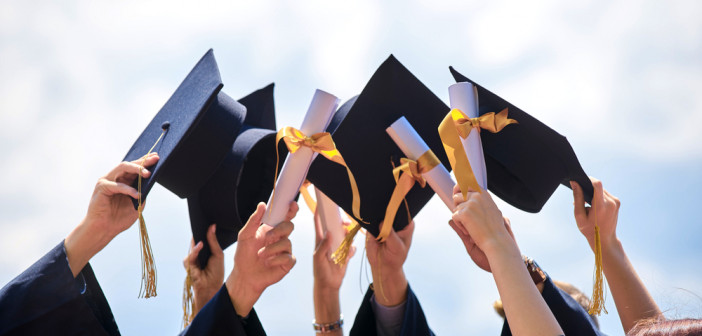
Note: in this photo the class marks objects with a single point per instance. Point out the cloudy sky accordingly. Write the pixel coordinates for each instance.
(79, 81)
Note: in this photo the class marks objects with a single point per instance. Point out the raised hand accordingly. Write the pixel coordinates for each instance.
(263, 257)
(205, 282)
(386, 260)
(110, 212)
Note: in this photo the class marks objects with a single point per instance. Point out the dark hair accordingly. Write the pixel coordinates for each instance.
(659, 327)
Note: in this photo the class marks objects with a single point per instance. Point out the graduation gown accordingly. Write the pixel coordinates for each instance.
(413, 323)
(572, 318)
(218, 317)
(47, 300)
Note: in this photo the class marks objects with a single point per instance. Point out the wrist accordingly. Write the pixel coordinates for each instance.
(390, 287)
(84, 242)
(242, 294)
(327, 308)
(500, 246)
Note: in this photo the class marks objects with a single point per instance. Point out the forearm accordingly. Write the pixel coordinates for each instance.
(390, 286)
(82, 244)
(524, 307)
(631, 297)
(327, 307)
(242, 294)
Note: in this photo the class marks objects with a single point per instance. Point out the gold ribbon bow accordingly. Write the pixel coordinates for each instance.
(456, 126)
(323, 144)
(406, 175)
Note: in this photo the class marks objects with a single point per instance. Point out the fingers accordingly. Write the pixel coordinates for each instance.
(578, 201)
(459, 229)
(323, 246)
(458, 199)
(456, 189)
(285, 261)
(279, 232)
(132, 168)
(281, 246)
(191, 259)
(318, 231)
(249, 230)
(406, 234)
(112, 188)
(292, 211)
(214, 243)
(598, 195)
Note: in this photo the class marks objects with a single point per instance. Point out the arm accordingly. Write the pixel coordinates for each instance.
(208, 281)
(631, 297)
(263, 257)
(109, 213)
(524, 307)
(327, 279)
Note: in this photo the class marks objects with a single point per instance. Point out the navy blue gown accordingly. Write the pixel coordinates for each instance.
(572, 318)
(414, 323)
(47, 300)
(218, 317)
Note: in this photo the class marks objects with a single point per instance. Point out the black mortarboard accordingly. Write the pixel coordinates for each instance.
(525, 162)
(244, 178)
(198, 123)
(358, 129)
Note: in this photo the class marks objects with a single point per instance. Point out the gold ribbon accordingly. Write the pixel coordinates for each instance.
(406, 174)
(323, 144)
(311, 203)
(456, 126)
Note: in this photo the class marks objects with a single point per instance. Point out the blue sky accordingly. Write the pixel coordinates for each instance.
(79, 80)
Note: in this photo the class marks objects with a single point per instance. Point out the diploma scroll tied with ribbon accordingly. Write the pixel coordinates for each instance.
(420, 166)
(301, 155)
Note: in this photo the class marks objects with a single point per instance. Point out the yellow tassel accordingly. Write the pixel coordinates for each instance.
(148, 268)
(598, 291)
(188, 299)
(342, 252)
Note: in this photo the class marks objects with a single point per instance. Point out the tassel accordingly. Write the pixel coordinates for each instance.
(148, 268)
(188, 300)
(598, 290)
(342, 252)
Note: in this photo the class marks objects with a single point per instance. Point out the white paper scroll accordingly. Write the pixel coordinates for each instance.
(464, 96)
(330, 217)
(413, 146)
(296, 165)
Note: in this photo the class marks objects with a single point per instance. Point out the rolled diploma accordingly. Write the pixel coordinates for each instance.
(331, 219)
(464, 97)
(413, 146)
(296, 165)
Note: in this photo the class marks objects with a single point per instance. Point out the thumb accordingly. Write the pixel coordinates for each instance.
(249, 230)
(578, 200)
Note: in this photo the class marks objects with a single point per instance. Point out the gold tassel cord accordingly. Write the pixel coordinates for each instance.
(148, 267)
(598, 291)
(188, 299)
(342, 252)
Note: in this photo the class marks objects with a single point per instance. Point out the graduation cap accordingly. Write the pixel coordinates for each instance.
(242, 180)
(358, 128)
(525, 162)
(192, 133)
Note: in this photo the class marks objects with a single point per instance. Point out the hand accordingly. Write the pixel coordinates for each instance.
(386, 260)
(475, 253)
(607, 208)
(206, 282)
(110, 212)
(263, 257)
(483, 224)
(327, 274)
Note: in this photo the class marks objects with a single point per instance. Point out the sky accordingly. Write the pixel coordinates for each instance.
(79, 81)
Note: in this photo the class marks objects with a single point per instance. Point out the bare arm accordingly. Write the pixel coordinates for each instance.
(525, 309)
(633, 301)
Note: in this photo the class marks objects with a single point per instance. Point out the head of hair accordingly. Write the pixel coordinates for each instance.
(660, 327)
(573, 291)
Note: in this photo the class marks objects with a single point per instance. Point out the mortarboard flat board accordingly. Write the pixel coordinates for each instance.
(358, 129)
(244, 178)
(196, 128)
(525, 162)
